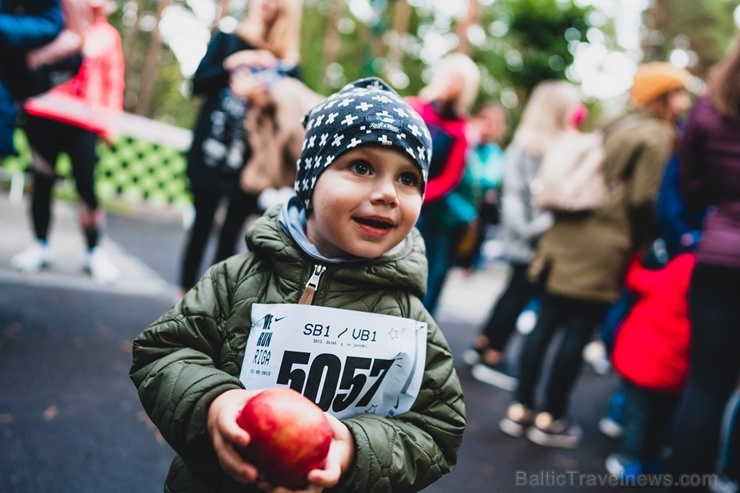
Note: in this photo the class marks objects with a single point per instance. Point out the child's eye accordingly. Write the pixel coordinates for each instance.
(409, 179)
(360, 167)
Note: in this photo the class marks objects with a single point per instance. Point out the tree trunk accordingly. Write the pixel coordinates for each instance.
(129, 35)
(463, 23)
(149, 74)
(332, 39)
(653, 18)
(401, 22)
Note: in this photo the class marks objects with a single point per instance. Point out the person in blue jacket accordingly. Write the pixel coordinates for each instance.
(680, 226)
(24, 25)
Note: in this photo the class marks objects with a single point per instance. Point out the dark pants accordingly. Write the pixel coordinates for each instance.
(49, 139)
(578, 320)
(439, 249)
(488, 215)
(648, 416)
(714, 310)
(205, 203)
(729, 461)
(502, 322)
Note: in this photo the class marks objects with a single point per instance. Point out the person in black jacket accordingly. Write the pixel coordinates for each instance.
(24, 25)
(228, 76)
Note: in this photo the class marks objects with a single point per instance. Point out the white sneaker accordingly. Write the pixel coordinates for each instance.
(594, 353)
(101, 267)
(611, 428)
(526, 322)
(471, 356)
(34, 258)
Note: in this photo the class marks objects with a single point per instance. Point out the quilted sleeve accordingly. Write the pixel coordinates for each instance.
(175, 368)
(411, 451)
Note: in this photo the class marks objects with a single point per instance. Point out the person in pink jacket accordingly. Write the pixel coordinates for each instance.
(444, 105)
(651, 354)
(70, 119)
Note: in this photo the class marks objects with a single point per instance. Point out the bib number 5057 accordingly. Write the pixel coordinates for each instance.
(337, 393)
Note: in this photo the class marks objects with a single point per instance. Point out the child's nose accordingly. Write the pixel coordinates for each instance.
(385, 191)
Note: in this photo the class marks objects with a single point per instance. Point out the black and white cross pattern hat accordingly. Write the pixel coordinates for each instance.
(367, 111)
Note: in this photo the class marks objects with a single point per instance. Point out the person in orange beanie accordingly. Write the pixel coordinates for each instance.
(654, 81)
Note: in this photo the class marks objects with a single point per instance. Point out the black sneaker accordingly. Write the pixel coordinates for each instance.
(549, 432)
(497, 375)
(518, 418)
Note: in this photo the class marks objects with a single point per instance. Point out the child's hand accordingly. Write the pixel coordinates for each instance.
(341, 457)
(227, 436)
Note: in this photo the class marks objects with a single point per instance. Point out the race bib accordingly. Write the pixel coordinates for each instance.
(347, 362)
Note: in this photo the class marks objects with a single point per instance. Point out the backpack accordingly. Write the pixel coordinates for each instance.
(570, 177)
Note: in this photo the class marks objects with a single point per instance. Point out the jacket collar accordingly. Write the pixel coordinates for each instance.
(404, 267)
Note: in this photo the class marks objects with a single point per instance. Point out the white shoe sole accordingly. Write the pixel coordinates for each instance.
(613, 466)
(494, 378)
(511, 428)
(470, 356)
(30, 270)
(610, 428)
(535, 435)
(106, 280)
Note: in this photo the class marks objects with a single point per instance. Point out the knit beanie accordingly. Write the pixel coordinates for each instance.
(654, 79)
(367, 111)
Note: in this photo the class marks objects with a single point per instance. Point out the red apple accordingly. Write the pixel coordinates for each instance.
(289, 436)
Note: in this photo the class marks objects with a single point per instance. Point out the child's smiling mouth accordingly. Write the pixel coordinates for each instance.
(374, 223)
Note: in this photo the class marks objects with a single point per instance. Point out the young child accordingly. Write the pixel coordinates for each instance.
(651, 354)
(327, 301)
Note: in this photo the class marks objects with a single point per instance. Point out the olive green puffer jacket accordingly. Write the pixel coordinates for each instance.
(194, 352)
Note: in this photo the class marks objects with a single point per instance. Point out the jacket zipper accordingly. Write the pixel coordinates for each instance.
(311, 286)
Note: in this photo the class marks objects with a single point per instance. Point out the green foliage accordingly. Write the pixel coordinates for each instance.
(172, 102)
(532, 48)
(705, 28)
(524, 42)
(538, 31)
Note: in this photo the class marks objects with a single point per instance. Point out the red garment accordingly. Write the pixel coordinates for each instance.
(651, 348)
(94, 97)
(451, 173)
(100, 80)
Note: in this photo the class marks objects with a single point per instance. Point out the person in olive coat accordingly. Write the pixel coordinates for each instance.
(583, 256)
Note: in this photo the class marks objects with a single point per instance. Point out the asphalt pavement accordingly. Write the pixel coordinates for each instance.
(70, 419)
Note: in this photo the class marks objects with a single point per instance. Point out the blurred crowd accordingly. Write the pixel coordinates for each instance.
(621, 234)
(621, 239)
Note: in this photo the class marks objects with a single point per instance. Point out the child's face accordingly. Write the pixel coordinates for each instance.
(365, 203)
(492, 125)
